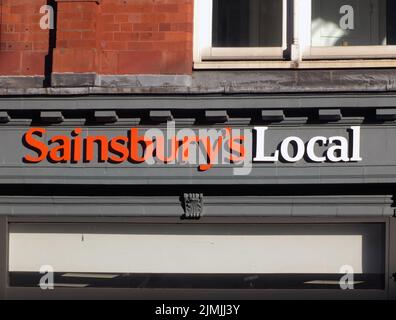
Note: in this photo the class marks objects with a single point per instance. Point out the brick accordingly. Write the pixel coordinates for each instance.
(142, 8)
(145, 27)
(135, 17)
(176, 62)
(126, 27)
(69, 35)
(108, 18)
(19, 46)
(65, 16)
(107, 36)
(152, 36)
(81, 44)
(111, 27)
(167, 8)
(108, 62)
(164, 26)
(157, 17)
(40, 46)
(124, 36)
(34, 36)
(88, 35)
(148, 62)
(132, 36)
(178, 36)
(33, 63)
(74, 60)
(114, 45)
(20, 9)
(10, 63)
(142, 46)
(82, 25)
(182, 26)
(6, 36)
(119, 18)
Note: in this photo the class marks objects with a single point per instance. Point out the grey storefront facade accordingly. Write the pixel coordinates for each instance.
(286, 229)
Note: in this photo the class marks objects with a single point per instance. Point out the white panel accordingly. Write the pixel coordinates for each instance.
(183, 250)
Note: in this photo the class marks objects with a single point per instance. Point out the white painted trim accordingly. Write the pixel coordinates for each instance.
(202, 27)
(351, 52)
(243, 53)
(313, 64)
(304, 11)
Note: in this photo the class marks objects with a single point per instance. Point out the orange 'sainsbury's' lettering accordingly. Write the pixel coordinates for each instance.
(137, 140)
(102, 144)
(35, 145)
(132, 147)
(119, 146)
(76, 145)
(62, 152)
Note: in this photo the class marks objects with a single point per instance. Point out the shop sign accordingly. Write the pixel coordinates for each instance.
(201, 147)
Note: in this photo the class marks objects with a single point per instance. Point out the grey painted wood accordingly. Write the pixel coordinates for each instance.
(392, 259)
(51, 116)
(330, 114)
(3, 257)
(103, 116)
(192, 294)
(220, 206)
(194, 102)
(378, 163)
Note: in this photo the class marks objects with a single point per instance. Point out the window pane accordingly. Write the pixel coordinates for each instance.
(305, 256)
(353, 22)
(247, 23)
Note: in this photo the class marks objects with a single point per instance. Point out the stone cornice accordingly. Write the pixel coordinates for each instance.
(208, 82)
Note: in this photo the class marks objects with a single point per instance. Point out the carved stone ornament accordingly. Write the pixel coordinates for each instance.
(193, 205)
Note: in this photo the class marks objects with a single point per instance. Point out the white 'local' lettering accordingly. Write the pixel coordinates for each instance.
(338, 148)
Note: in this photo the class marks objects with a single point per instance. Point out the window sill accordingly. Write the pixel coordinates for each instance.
(312, 64)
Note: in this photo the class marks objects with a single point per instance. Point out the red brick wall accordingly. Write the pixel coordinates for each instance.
(109, 37)
(76, 37)
(145, 36)
(23, 45)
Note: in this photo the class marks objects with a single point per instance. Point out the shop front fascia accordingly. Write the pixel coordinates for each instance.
(309, 160)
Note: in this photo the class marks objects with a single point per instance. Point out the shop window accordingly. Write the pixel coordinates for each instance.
(200, 256)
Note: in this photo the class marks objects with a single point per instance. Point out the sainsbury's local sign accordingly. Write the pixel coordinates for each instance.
(340, 149)
(203, 147)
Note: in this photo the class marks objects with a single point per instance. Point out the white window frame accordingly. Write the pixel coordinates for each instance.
(304, 11)
(204, 51)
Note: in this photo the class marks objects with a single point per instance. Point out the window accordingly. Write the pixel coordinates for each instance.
(241, 29)
(198, 256)
(286, 31)
(348, 29)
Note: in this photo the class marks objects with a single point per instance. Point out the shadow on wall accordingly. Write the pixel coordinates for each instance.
(51, 47)
(1, 20)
